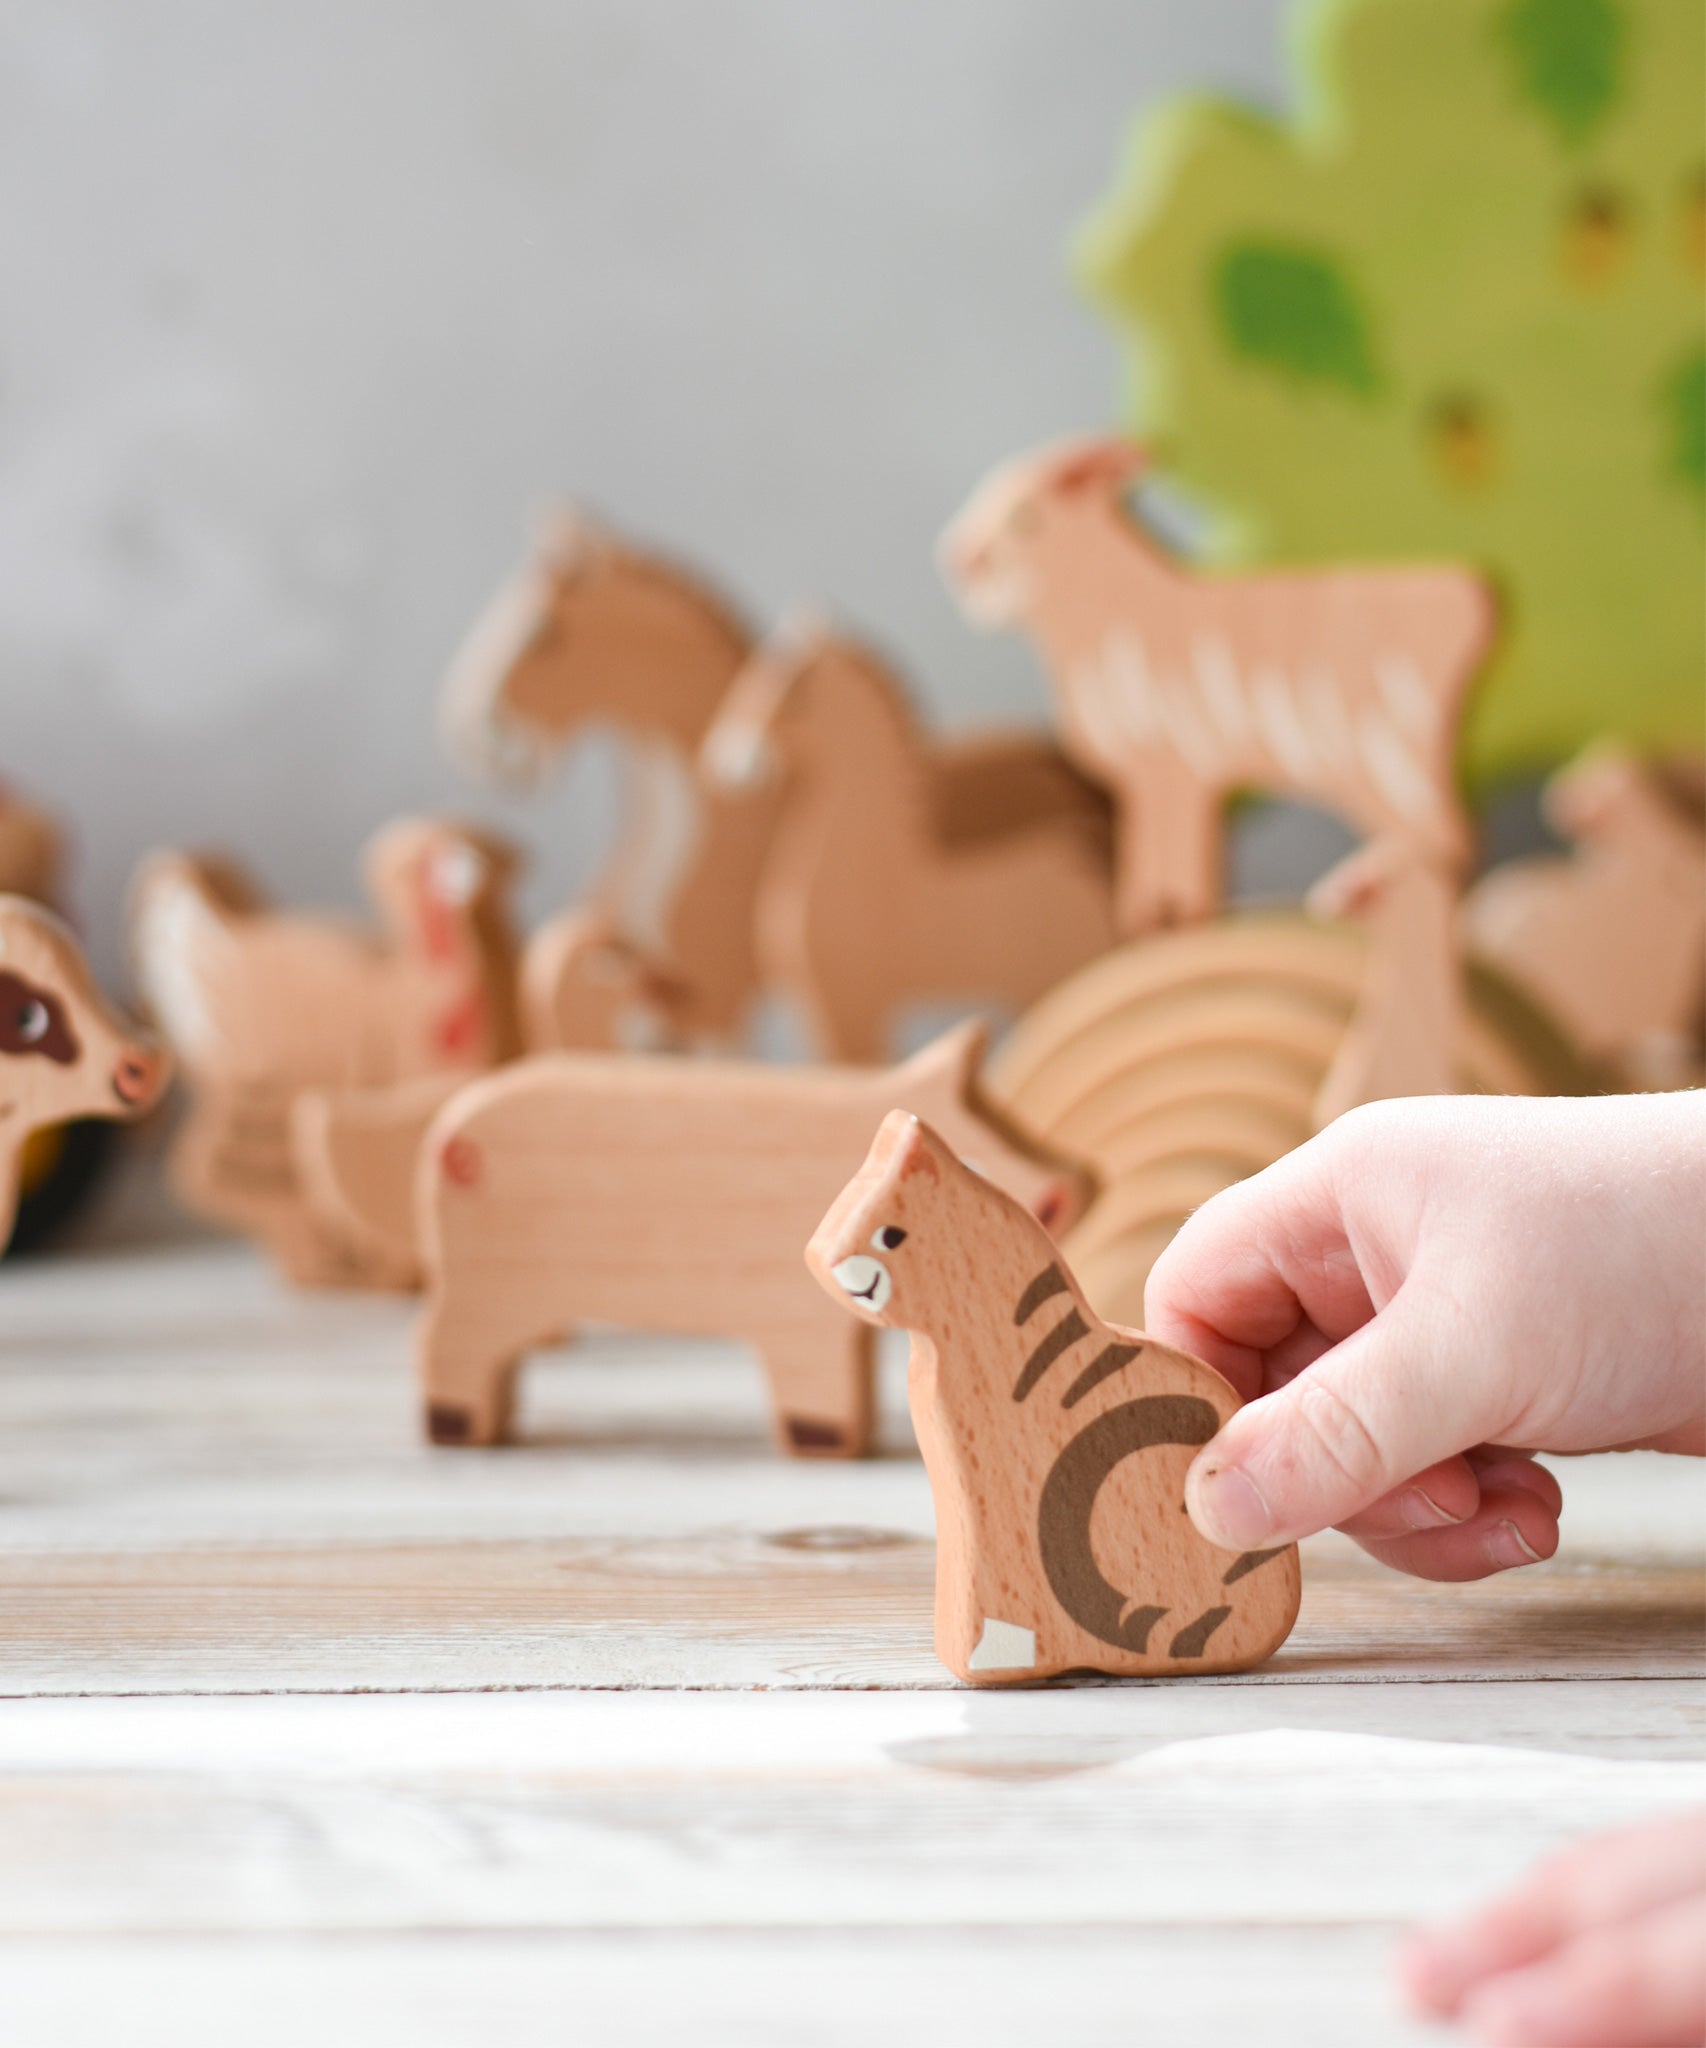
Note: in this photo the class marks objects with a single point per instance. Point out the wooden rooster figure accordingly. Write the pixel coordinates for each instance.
(261, 1005)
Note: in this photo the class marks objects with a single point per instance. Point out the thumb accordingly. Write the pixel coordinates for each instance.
(1377, 1409)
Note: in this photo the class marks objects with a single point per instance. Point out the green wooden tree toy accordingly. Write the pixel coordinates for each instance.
(1451, 308)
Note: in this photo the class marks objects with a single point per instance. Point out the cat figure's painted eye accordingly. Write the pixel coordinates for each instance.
(889, 1238)
(32, 1021)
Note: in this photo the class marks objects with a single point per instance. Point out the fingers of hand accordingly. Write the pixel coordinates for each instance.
(1497, 1467)
(1638, 1984)
(1512, 1526)
(1595, 1888)
(1383, 1405)
(1253, 1264)
(1442, 1497)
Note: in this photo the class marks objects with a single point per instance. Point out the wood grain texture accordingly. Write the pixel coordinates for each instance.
(1056, 1444)
(574, 1811)
(210, 1484)
(731, 1988)
(815, 1605)
(207, 1481)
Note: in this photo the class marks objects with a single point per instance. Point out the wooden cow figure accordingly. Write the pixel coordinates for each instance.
(905, 869)
(1056, 1444)
(667, 1194)
(1343, 687)
(64, 1051)
(261, 1005)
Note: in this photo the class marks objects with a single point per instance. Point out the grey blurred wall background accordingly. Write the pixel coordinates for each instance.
(306, 304)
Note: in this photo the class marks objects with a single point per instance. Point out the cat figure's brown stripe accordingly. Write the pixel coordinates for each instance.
(1069, 1493)
(1048, 1283)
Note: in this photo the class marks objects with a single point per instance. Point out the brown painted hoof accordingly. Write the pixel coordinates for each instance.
(448, 1424)
(808, 1439)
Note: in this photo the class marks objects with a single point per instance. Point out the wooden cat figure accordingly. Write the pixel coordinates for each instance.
(1056, 1444)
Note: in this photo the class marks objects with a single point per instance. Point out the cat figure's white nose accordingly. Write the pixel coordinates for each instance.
(866, 1279)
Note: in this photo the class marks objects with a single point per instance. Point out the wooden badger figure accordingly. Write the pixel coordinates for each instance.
(1056, 1444)
(670, 1194)
(64, 1050)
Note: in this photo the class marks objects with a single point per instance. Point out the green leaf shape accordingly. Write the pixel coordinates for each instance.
(1568, 56)
(1295, 311)
(1407, 156)
(1682, 397)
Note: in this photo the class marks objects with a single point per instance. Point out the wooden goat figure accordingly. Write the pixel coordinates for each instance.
(260, 1006)
(905, 869)
(64, 1051)
(1056, 1444)
(1343, 687)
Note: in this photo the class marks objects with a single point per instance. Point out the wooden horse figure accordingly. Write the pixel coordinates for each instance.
(64, 1051)
(593, 633)
(1344, 687)
(1056, 1444)
(904, 869)
(260, 1006)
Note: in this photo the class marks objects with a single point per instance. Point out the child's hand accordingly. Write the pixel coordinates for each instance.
(1601, 1947)
(1426, 1294)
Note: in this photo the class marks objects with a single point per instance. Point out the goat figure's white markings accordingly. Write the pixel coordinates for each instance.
(1324, 709)
(1129, 694)
(1407, 696)
(1217, 671)
(1093, 708)
(1190, 733)
(1280, 720)
(1395, 770)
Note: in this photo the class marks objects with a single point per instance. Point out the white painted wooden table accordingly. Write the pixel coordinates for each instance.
(312, 1734)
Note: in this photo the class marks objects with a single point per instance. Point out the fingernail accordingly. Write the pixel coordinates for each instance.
(1506, 1547)
(1421, 1511)
(1227, 1508)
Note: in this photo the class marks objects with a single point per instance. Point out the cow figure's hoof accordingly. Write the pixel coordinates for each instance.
(448, 1422)
(806, 1437)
